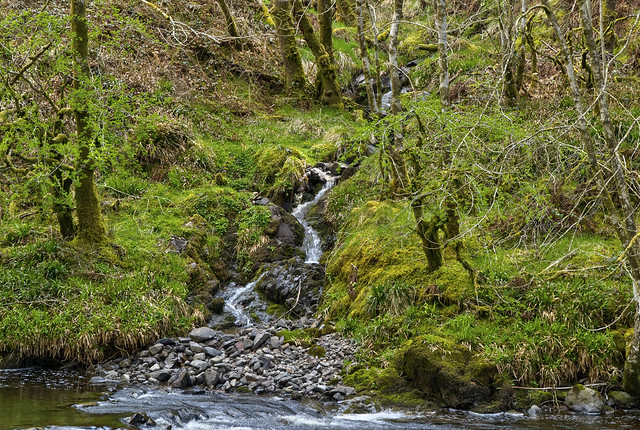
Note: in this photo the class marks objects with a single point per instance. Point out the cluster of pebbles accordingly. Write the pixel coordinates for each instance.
(256, 359)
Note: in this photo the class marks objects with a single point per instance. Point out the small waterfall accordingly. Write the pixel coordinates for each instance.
(232, 304)
(312, 245)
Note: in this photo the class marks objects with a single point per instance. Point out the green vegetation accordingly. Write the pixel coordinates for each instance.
(529, 285)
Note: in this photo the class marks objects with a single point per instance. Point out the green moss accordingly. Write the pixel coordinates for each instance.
(316, 351)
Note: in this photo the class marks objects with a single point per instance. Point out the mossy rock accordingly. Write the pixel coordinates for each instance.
(447, 372)
(455, 284)
(317, 351)
(217, 305)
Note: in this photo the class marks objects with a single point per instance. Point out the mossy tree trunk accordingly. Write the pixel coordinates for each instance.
(232, 29)
(346, 12)
(285, 30)
(512, 58)
(372, 100)
(399, 178)
(91, 228)
(325, 19)
(429, 233)
(608, 20)
(331, 93)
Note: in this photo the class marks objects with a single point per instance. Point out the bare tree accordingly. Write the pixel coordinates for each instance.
(621, 211)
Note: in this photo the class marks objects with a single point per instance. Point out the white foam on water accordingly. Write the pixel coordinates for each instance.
(311, 245)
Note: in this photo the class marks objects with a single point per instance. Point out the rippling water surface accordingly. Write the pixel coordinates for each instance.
(65, 400)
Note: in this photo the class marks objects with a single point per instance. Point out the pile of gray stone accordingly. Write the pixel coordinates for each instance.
(256, 359)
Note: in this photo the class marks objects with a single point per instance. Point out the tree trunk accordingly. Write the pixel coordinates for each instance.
(428, 231)
(366, 66)
(331, 93)
(629, 228)
(443, 47)
(90, 225)
(398, 168)
(509, 60)
(376, 54)
(232, 29)
(346, 12)
(325, 19)
(285, 30)
(608, 18)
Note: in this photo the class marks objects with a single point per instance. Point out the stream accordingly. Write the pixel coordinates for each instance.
(66, 399)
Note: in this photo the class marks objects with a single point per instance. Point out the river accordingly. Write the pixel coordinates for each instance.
(64, 399)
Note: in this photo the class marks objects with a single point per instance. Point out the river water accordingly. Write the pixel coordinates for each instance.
(59, 399)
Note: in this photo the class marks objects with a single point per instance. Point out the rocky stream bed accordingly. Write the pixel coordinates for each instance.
(254, 360)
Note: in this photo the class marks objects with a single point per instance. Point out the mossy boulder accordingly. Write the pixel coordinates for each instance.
(447, 372)
(280, 240)
(293, 284)
(584, 399)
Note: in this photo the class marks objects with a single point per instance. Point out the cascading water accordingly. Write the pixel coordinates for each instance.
(311, 245)
(232, 304)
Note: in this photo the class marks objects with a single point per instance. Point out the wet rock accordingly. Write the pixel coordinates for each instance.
(622, 400)
(202, 334)
(293, 282)
(183, 380)
(139, 419)
(161, 375)
(535, 411)
(583, 399)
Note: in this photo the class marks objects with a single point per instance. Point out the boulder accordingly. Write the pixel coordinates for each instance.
(622, 400)
(448, 373)
(202, 334)
(282, 281)
(583, 399)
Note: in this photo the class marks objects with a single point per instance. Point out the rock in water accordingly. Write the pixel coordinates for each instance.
(583, 399)
(623, 400)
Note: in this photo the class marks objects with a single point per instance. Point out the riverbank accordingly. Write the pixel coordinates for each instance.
(258, 359)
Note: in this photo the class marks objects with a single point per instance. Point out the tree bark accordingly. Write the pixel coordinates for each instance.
(325, 19)
(364, 56)
(331, 93)
(398, 168)
(91, 228)
(443, 47)
(285, 30)
(346, 12)
(228, 16)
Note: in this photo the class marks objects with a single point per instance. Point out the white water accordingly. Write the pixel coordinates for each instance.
(312, 245)
(232, 304)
